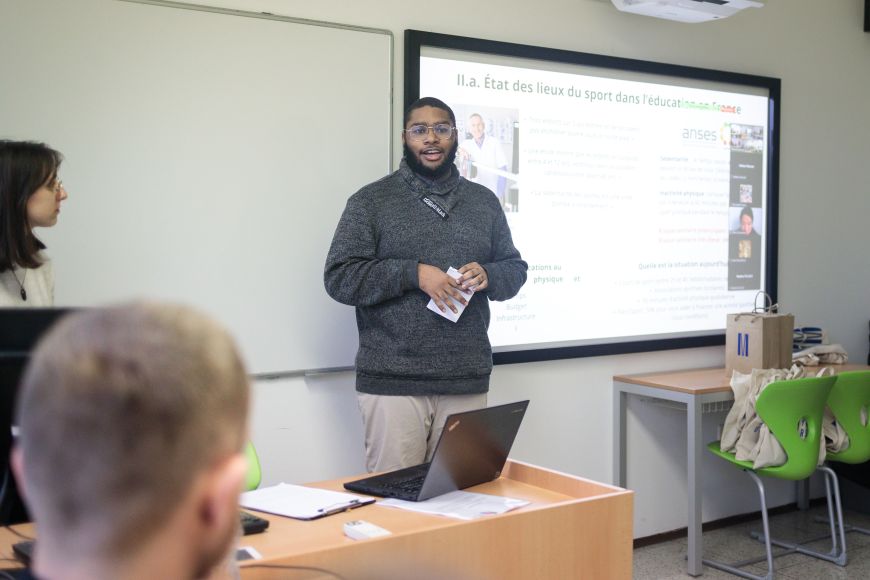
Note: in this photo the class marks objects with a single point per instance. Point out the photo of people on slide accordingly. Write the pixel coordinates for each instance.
(747, 138)
(488, 146)
(743, 221)
(744, 248)
(747, 142)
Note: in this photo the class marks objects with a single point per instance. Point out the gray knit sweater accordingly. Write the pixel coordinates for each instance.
(385, 231)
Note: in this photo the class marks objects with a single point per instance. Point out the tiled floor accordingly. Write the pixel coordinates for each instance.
(667, 560)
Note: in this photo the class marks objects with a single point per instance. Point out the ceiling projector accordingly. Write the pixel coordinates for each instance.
(686, 10)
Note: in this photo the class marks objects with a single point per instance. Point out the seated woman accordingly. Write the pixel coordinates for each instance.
(30, 197)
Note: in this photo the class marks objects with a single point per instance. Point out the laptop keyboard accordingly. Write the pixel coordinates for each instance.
(409, 484)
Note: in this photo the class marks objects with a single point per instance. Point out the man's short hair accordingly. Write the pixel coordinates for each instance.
(428, 102)
(120, 409)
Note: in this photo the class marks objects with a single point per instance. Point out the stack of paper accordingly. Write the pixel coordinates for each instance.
(300, 502)
(464, 505)
(460, 307)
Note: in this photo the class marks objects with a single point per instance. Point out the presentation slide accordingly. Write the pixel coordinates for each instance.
(638, 201)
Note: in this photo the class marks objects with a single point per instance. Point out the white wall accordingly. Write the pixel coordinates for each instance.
(308, 429)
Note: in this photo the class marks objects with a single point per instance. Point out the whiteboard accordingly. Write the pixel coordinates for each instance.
(208, 158)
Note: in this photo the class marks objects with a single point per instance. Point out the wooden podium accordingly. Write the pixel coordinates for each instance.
(573, 528)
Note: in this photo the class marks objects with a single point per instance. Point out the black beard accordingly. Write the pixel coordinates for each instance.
(429, 173)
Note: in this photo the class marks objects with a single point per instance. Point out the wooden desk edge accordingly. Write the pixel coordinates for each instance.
(705, 380)
(693, 381)
(570, 485)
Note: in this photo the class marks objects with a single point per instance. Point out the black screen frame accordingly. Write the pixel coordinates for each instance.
(415, 40)
(20, 331)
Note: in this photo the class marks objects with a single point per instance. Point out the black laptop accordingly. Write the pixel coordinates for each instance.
(472, 449)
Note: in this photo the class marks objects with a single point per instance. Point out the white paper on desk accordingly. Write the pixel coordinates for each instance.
(464, 505)
(299, 501)
(449, 314)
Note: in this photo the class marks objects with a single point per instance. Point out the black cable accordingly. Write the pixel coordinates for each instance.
(287, 567)
(3, 500)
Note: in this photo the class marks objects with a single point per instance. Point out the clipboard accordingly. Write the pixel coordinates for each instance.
(301, 502)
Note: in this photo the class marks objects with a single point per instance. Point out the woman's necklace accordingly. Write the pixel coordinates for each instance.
(20, 283)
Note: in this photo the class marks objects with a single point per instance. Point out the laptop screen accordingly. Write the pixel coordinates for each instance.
(473, 448)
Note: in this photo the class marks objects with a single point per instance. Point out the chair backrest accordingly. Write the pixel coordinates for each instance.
(253, 477)
(850, 403)
(793, 412)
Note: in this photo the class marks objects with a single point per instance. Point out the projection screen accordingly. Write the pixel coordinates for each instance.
(643, 195)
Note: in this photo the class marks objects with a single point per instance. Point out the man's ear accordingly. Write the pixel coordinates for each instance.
(16, 461)
(221, 500)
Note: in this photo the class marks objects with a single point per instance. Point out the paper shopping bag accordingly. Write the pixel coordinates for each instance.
(758, 340)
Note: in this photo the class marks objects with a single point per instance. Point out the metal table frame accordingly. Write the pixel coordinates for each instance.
(694, 448)
(693, 389)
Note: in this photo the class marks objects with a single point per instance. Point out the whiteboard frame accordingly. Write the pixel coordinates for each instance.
(381, 66)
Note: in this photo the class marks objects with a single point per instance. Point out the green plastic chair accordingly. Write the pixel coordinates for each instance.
(848, 401)
(850, 395)
(253, 477)
(793, 411)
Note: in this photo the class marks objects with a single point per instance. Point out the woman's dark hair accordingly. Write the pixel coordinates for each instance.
(428, 102)
(747, 211)
(25, 166)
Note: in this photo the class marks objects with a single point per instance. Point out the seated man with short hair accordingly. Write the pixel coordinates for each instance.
(132, 422)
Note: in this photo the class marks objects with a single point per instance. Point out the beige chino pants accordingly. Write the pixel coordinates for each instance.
(402, 431)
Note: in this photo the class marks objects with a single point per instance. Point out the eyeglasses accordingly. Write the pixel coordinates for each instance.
(420, 132)
(56, 186)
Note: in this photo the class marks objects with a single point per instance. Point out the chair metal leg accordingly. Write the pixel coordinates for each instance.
(837, 553)
(846, 527)
(850, 528)
(734, 568)
(835, 484)
(860, 530)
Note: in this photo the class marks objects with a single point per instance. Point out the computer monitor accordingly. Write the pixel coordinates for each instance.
(20, 329)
